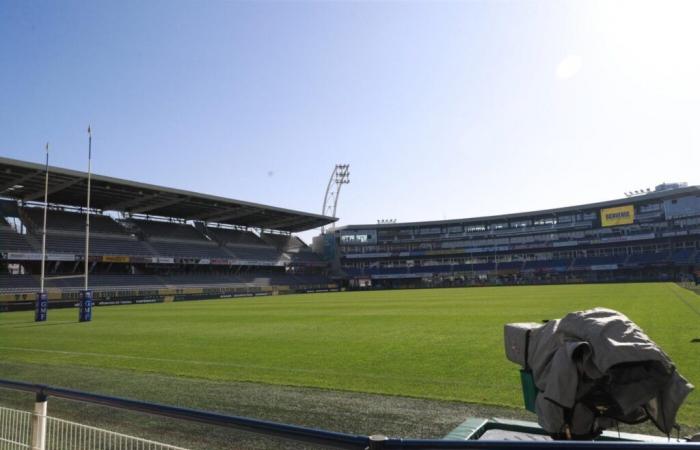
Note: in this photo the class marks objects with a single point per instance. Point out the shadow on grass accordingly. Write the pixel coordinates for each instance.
(40, 324)
(12, 324)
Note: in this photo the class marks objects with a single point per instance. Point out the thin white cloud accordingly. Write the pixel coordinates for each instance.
(569, 67)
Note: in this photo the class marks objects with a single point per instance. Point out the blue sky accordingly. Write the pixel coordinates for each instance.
(442, 109)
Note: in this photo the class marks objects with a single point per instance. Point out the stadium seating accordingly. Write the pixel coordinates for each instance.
(189, 249)
(550, 264)
(384, 270)
(178, 240)
(12, 241)
(255, 253)
(15, 283)
(65, 233)
(436, 268)
(230, 236)
(583, 262)
(292, 246)
(353, 271)
(510, 265)
(282, 241)
(304, 257)
(683, 256)
(546, 240)
(483, 266)
(476, 267)
(113, 281)
(168, 231)
(99, 245)
(28, 283)
(294, 249)
(65, 221)
(648, 258)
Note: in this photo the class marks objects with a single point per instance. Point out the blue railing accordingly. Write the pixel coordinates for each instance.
(327, 438)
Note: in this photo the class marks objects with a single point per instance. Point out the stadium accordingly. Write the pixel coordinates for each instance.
(647, 236)
(153, 244)
(148, 243)
(226, 273)
(173, 281)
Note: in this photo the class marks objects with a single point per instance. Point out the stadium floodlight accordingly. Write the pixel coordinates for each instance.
(339, 177)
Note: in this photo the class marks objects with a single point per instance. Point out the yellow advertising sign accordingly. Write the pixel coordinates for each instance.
(621, 215)
(115, 259)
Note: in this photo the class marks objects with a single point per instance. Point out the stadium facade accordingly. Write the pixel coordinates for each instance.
(147, 243)
(650, 236)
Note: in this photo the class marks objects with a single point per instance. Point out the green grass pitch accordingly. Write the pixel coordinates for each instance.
(432, 343)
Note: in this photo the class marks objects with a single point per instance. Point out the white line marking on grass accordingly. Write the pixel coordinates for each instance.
(243, 366)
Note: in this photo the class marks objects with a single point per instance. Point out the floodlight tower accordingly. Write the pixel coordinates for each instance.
(339, 177)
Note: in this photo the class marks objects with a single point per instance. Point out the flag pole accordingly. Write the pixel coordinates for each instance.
(43, 233)
(87, 211)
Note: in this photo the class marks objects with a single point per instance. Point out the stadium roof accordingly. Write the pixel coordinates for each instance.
(654, 195)
(25, 181)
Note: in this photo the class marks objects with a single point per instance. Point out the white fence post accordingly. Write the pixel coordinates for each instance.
(39, 422)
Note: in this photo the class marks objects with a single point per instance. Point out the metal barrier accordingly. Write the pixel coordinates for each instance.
(65, 435)
(14, 429)
(18, 432)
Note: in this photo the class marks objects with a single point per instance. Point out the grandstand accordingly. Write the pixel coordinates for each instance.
(651, 236)
(147, 243)
(153, 243)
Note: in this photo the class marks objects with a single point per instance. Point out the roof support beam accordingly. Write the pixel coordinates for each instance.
(124, 205)
(52, 190)
(229, 214)
(163, 204)
(20, 180)
(276, 223)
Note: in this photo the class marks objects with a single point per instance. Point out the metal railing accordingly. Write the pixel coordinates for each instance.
(21, 430)
(43, 430)
(66, 435)
(15, 429)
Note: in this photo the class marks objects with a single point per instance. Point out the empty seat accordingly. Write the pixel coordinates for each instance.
(547, 264)
(683, 256)
(99, 245)
(599, 260)
(647, 258)
(184, 249)
(11, 241)
(255, 253)
(72, 222)
(168, 231)
(230, 236)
